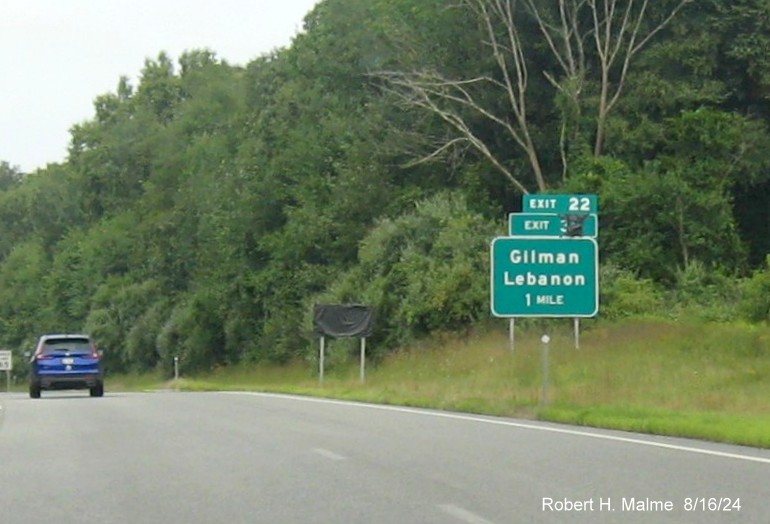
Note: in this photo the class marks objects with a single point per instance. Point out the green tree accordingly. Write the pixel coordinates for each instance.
(22, 316)
(425, 270)
(10, 176)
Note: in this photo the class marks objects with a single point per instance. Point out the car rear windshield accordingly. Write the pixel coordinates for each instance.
(66, 344)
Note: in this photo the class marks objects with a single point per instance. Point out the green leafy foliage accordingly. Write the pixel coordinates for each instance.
(668, 213)
(755, 305)
(706, 293)
(622, 294)
(426, 270)
(116, 308)
(9, 176)
(22, 309)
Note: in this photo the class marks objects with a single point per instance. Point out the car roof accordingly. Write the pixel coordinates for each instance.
(64, 335)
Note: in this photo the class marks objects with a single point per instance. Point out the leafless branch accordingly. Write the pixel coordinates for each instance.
(437, 152)
(619, 30)
(452, 100)
(563, 34)
(613, 42)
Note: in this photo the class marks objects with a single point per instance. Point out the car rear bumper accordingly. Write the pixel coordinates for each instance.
(70, 381)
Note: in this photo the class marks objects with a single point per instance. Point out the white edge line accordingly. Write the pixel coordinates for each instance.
(508, 423)
(463, 514)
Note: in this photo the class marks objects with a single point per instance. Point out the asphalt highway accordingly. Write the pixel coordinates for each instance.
(259, 458)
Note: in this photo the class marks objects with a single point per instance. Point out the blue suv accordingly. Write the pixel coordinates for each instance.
(66, 362)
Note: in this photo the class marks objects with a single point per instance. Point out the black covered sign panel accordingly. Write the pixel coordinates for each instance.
(343, 320)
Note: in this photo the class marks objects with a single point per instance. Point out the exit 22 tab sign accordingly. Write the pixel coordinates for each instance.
(544, 277)
(560, 204)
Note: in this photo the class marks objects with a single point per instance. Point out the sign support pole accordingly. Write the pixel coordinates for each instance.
(577, 332)
(321, 361)
(512, 333)
(544, 397)
(176, 373)
(363, 359)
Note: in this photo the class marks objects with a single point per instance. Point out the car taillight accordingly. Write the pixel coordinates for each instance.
(43, 356)
(94, 354)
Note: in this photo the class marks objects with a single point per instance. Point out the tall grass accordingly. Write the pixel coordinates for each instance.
(694, 379)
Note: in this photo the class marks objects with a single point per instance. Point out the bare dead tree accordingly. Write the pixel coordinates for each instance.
(619, 36)
(619, 32)
(565, 38)
(452, 99)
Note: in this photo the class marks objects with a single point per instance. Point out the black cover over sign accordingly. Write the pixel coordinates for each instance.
(343, 320)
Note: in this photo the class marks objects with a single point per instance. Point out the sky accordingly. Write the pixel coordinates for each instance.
(57, 56)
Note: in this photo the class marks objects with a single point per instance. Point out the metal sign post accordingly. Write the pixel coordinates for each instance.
(321, 362)
(363, 359)
(176, 373)
(577, 332)
(544, 397)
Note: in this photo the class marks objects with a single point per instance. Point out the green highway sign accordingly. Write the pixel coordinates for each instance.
(549, 225)
(560, 204)
(544, 277)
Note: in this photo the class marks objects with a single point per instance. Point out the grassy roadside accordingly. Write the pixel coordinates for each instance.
(706, 381)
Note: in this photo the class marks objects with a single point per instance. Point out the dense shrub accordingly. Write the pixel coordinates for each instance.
(705, 293)
(622, 294)
(423, 271)
(142, 339)
(755, 302)
(116, 307)
(194, 333)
